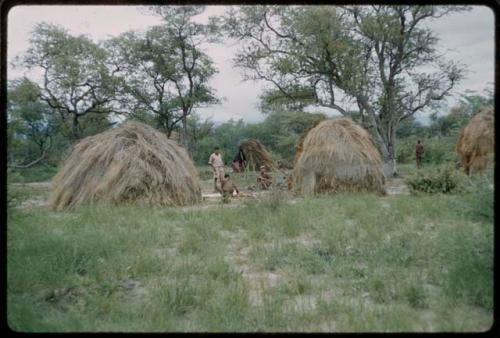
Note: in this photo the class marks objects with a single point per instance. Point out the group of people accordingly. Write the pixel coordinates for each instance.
(223, 182)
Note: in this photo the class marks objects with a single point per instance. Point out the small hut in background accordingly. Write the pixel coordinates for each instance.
(338, 155)
(476, 143)
(130, 163)
(257, 155)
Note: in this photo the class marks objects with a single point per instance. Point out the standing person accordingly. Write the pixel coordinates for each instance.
(217, 164)
(264, 178)
(419, 151)
(241, 159)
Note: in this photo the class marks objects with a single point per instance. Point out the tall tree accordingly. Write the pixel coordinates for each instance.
(30, 124)
(381, 58)
(75, 79)
(164, 70)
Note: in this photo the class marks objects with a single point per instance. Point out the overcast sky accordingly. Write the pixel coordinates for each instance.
(466, 37)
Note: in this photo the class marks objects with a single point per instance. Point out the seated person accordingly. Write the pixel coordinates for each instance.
(228, 186)
(236, 167)
(264, 178)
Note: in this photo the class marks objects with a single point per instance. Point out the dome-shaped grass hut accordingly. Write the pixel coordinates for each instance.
(476, 143)
(130, 163)
(338, 155)
(257, 155)
(300, 142)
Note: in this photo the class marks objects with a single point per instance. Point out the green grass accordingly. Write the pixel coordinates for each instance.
(37, 173)
(347, 262)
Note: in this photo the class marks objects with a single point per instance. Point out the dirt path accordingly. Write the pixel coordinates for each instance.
(394, 186)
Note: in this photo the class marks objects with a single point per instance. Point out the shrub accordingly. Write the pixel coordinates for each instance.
(440, 180)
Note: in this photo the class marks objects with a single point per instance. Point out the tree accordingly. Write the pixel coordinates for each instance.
(380, 58)
(460, 114)
(30, 124)
(164, 70)
(76, 81)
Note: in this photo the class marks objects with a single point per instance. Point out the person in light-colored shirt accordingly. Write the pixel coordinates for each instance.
(217, 164)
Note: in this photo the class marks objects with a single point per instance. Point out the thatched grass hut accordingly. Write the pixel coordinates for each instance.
(257, 155)
(300, 142)
(476, 143)
(130, 163)
(338, 155)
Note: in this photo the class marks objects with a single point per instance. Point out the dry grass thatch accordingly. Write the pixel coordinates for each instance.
(257, 155)
(476, 143)
(300, 142)
(338, 155)
(131, 163)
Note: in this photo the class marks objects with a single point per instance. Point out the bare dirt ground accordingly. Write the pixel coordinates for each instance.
(394, 186)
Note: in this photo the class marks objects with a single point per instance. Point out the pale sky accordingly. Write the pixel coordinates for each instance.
(465, 37)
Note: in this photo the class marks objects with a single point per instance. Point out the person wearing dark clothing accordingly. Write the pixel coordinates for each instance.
(419, 151)
(239, 161)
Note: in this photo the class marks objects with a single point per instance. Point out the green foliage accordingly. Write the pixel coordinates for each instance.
(437, 150)
(443, 179)
(173, 70)
(77, 80)
(279, 133)
(30, 124)
(311, 53)
(38, 173)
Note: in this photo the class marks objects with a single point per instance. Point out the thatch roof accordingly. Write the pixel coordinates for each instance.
(130, 163)
(257, 155)
(338, 155)
(476, 143)
(300, 142)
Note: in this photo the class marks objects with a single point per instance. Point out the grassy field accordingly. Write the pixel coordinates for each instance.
(342, 263)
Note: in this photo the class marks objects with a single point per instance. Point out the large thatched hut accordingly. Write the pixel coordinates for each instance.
(476, 143)
(257, 155)
(300, 142)
(338, 155)
(130, 163)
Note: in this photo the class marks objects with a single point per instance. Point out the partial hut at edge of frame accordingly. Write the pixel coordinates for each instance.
(476, 143)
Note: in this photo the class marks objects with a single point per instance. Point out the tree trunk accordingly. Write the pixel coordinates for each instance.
(75, 135)
(184, 134)
(384, 136)
(389, 156)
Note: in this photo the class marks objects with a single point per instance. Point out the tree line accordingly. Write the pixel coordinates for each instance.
(380, 59)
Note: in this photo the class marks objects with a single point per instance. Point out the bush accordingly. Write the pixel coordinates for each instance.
(440, 180)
